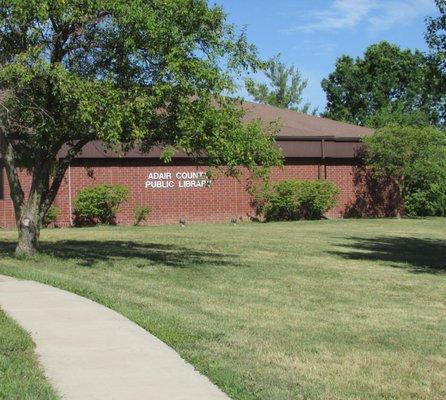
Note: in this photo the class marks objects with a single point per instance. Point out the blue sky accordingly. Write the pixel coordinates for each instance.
(311, 34)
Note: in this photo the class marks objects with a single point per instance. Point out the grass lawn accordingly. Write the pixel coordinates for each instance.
(21, 377)
(349, 309)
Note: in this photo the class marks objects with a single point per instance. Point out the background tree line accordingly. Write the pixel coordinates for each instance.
(387, 85)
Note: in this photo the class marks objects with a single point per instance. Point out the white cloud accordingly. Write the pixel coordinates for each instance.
(394, 13)
(373, 14)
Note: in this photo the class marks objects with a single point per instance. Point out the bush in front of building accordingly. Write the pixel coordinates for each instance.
(429, 200)
(51, 216)
(293, 199)
(140, 214)
(99, 204)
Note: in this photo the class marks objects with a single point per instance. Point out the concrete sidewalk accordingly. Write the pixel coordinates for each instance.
(90, 352)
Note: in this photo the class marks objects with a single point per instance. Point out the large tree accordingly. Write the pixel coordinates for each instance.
(284, 87)
(385, 80)
(128, 73)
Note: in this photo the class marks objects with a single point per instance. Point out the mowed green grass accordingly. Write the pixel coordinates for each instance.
(21, 377)
(348, 309)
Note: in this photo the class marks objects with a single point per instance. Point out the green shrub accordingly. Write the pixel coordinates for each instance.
(280, 203)
(99, 204)
(298, 199)
(426, 201)
(141, 214)
(50, 216)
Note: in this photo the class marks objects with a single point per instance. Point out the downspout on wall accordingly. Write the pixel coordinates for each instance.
(322, 168)
(69, 196)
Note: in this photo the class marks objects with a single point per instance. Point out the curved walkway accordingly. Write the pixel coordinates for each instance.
(91, 352)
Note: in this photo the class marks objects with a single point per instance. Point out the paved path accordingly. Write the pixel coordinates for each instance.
(90, 352)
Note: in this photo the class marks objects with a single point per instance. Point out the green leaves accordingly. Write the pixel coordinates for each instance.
(99, 204)
(284, 88)
(416, 159)
(126, 72)
(385, 78)
(436, 32)
(293, 199)
(217, 134)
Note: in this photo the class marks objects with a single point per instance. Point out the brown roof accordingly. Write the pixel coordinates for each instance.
(294, 123)
(342, 139)
(300, 136)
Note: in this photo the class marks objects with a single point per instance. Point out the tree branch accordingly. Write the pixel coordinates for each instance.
(61, 169)
(8, 160)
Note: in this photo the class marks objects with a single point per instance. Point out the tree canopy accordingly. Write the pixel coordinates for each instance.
(385, 80)
(436, 40)
(436, 34)
(127, 73)
(283, 89)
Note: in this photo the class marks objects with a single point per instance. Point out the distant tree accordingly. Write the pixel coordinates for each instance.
(129, 73)
(415, 159)
(436, 33)
(284, 88)
(385, 78)
(436, 40)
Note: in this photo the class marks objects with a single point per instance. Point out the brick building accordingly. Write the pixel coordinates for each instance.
(313, 147)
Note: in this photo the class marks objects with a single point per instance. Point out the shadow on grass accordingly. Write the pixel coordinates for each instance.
(87, 253)
(417, 255)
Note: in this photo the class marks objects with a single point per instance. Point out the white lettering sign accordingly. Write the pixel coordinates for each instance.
(183, 179)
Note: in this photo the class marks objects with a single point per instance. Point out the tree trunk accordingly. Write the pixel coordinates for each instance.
(400, 201)
(47, 175)
(29, 231)
(28, 225)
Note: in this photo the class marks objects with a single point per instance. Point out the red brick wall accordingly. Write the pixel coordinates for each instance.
(224, 200)
(7, 219)
(342, 177)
